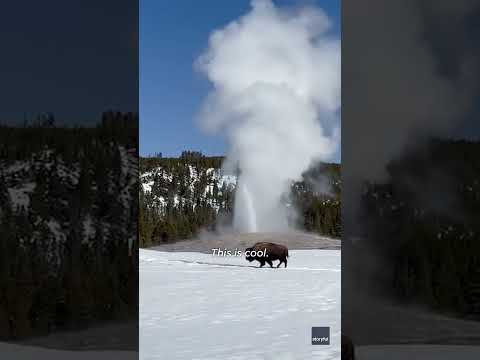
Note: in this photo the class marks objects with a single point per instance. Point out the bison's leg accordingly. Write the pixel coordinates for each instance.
(282, 260)
(279, 262)
(262, 263)
(269, 262)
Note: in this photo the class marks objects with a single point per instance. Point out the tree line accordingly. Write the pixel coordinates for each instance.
(176, 206)
(424, 223)
(68, 223)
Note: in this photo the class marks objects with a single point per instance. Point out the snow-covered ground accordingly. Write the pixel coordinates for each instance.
(418, 352)
(197, 306)
(22, 352)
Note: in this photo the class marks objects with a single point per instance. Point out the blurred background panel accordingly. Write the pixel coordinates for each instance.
(69, 178)
(411, 176)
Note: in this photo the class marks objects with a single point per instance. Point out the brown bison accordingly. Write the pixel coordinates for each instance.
(265, 252)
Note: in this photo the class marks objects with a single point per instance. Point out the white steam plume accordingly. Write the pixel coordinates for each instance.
(276, 96)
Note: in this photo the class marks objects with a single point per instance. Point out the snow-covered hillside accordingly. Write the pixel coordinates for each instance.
(180, 197)
(197, 306)
(187, 184)
(210, 185)
(43, 191)
(68, 208)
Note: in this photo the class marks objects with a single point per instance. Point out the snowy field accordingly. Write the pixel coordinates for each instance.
(418, 352)
(22, 352)
(195, 306)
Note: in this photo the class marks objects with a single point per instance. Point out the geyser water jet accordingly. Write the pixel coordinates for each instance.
(276, 97)
(245, 217)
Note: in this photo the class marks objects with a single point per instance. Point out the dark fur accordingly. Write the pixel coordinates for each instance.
(273, 252)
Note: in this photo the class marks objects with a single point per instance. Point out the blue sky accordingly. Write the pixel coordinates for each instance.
(172, 35)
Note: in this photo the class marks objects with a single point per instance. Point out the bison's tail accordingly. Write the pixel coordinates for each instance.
(287, 252)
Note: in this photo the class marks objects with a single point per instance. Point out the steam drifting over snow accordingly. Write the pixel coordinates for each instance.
(275, 96)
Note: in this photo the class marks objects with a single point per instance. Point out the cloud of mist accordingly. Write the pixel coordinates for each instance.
(405, 75)
(276, 97)
(320, 185)
(398, 89)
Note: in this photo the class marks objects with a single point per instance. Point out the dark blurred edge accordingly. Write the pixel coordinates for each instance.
(69, 175)
(410, 174)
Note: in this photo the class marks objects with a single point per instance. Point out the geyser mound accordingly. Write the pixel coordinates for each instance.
(294, 240)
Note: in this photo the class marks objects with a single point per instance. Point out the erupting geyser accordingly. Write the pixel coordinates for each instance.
(276, 97)
(245, 217)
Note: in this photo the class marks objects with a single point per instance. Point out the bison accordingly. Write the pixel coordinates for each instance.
(269, 252)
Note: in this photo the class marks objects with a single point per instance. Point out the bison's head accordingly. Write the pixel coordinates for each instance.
(249, 257)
